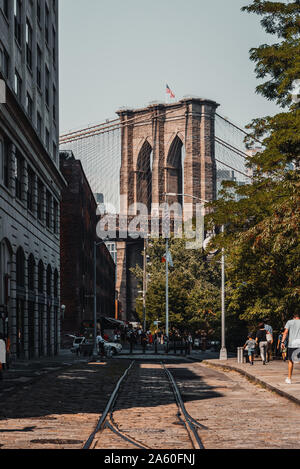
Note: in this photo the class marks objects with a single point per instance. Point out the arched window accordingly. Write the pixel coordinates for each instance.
(55, 284)
(144, 175)
(20, 268)
(5, 271)
(49, 279)
(31, 276)
(175, 170)
(41, 277)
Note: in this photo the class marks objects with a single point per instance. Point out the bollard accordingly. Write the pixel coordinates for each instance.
(240, 355)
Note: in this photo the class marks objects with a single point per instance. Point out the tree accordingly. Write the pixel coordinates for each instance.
(194, 289)
(262, 228)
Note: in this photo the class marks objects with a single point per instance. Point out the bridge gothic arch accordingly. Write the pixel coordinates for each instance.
(181, 155)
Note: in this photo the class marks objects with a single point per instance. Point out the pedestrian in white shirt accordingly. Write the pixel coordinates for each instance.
(292, 330)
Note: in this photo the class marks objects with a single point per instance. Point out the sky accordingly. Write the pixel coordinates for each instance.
(122, 53)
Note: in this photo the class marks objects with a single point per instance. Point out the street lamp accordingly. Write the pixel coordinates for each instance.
(223, 352)
(171, 194)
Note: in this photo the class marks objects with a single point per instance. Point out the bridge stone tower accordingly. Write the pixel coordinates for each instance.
(164, 148)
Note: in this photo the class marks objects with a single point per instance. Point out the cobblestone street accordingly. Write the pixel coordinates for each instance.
(61, 409)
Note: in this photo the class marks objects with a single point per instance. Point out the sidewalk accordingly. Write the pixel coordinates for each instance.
(162, 355)
(272, 376)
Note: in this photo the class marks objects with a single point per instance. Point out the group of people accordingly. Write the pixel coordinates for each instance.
(288, 343)
(140, 337)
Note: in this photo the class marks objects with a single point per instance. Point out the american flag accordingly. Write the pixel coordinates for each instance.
(170, 92)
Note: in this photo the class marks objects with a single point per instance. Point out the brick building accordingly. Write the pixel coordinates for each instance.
(78, 233)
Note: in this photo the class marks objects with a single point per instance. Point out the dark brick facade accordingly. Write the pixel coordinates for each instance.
(78, 233)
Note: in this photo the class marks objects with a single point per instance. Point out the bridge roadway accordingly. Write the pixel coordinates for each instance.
(61, 409)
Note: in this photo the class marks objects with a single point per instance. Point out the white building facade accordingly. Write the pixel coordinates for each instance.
(30, 181)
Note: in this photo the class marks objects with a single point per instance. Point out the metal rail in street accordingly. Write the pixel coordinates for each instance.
(107, 420)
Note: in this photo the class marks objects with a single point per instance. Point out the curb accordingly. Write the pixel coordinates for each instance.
(254, 380)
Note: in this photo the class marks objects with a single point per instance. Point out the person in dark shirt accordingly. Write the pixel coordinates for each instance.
(261, 340)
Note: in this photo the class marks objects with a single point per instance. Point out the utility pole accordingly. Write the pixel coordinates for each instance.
(95, 352)
(167, 288)
(144, 283)
(223, 352)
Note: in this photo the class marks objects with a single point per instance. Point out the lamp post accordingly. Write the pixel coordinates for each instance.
(223, 352)
(171, 194)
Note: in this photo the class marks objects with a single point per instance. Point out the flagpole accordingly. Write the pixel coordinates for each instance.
(167, 287)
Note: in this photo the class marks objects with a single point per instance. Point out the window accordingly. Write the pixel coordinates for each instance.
(20, 268)
(5, 148)
(47, 81)
(38, 11)
(30, 189)
(47, 24)
(5, 7)
(29, 105)
(17, 13)
(41, 278)
(55, 217)
(54, 46)
(18, 86)
(55, 283)
(39, 124)
(54, 103)
(28, 44)
(4, 62)
(47, 139)
(49, 280)
(40, 201)
(31, 276)
(48, 209)
(19, 170)
(54, 151)
(39, 68)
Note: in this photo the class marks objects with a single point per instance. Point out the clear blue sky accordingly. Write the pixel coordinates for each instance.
(117, 53)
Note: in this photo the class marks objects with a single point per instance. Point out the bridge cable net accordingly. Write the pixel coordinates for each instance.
(99, 149)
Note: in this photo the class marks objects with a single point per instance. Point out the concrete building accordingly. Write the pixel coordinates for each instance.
(78, 233)
(30, 181)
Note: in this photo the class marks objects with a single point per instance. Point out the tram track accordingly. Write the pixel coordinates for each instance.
(109, 423)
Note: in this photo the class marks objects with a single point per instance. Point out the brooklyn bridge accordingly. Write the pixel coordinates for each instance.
(184, 149)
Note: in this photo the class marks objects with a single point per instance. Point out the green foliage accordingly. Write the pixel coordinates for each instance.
(262, 229)
(279, 62)
(194, 289)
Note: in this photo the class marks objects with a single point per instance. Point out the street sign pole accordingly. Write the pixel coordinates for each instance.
(223, 352)
(167, 288)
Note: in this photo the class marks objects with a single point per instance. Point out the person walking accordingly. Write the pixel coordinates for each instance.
(144, 340)
(261, 340)
(282, 351)
(2, 355)
(250, 347)
(131, 341)
(270, 341)
(291, 330)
